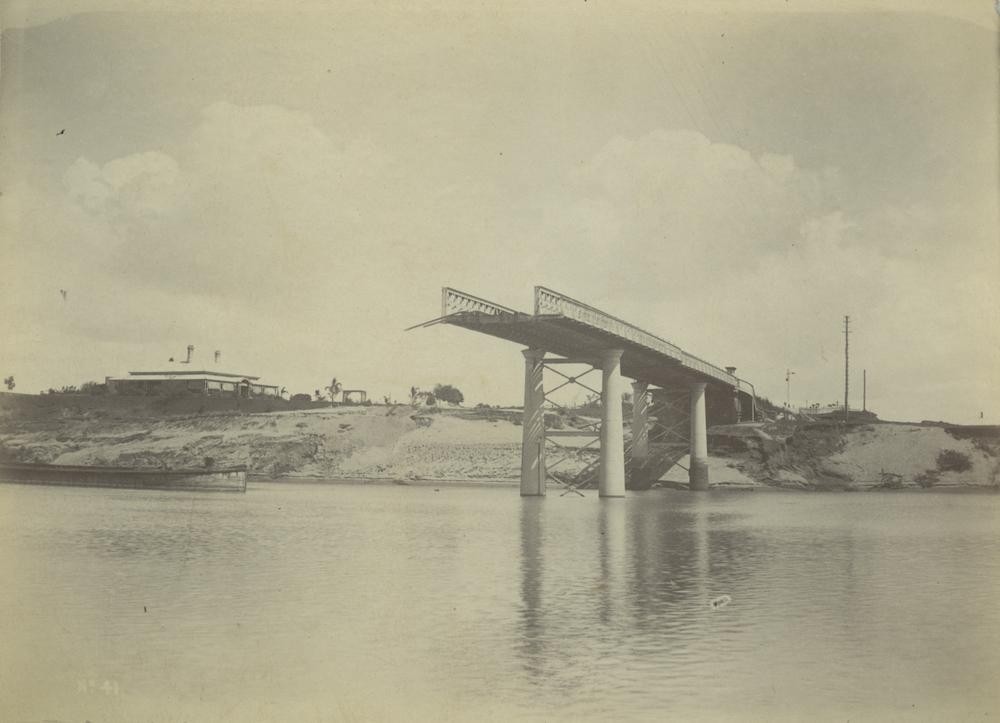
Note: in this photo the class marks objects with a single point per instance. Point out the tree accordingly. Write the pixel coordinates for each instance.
(448, 393)
(334, 388)
(9, 381)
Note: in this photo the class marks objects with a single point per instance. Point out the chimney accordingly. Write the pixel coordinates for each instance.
(731, 370)
(190, 351)
(218, 355)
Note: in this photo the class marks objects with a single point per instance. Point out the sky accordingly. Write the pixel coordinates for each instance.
(293, 183)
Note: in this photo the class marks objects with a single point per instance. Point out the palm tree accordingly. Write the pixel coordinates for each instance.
(334, 389)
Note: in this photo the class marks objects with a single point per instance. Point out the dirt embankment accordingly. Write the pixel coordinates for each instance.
(397, 442)
(864, 456)
(400, 442)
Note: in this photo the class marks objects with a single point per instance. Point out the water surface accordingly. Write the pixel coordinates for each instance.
(361, 602)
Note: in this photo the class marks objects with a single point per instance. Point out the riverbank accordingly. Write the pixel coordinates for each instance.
(350, 442)
(406, 444)
(877, 455)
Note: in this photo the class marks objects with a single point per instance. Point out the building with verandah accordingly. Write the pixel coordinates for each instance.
(206, 383)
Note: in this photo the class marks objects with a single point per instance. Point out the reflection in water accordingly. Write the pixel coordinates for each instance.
(531, 640)
(363, 602)
(641, 593)
(612, 582)
(701, 552)
(702, 587)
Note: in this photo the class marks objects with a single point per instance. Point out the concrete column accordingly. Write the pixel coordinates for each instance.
(612, 479)
(698, 467)
(533, 426)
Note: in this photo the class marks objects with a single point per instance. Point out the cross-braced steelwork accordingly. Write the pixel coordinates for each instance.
(570, 480)
(671, 417)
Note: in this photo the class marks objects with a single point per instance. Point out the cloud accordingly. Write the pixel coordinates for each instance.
(259, 225)
(256, 226)
(753, 260)
(253, 194)
(133, 187)
(674, 199)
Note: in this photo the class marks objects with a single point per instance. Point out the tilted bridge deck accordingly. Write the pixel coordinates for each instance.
(569, 328)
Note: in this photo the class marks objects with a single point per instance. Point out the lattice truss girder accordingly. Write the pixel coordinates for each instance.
(570, 453)
(670, 415)
(668, 420)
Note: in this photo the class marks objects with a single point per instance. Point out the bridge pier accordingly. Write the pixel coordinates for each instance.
(611, 482)
(533, 426)
(698, 466)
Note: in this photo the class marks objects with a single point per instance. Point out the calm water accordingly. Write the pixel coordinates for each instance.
(341, 602)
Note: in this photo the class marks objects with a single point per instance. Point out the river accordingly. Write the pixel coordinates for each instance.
(374, 602)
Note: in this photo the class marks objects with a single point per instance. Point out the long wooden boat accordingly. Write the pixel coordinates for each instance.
(207, 479)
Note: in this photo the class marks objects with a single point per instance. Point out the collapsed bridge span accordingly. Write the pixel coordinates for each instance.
(564, 331)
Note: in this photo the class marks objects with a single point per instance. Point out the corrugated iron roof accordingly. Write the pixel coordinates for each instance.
(186, 373)
(196, 376)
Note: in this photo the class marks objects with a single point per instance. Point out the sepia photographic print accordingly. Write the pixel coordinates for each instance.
(513, 361)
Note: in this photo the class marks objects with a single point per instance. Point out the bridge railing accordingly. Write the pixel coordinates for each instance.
(548, 301)
(454, 301)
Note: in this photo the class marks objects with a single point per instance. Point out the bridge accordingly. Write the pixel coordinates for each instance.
(674, 394)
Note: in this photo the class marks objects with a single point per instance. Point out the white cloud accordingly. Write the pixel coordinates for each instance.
(254, 195)
(135, 186)
(257, 227)
(260, 226)
(752, 260)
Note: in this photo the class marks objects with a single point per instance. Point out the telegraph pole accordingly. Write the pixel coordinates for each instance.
(847, 365)
(788, 388)
(864, 390)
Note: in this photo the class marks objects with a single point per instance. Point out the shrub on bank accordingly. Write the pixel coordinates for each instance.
(950, 460)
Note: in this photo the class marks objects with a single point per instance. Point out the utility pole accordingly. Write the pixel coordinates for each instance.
(788, 388)
(847, 365)
(864, 390)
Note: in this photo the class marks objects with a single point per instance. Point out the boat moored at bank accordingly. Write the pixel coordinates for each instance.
(207, 479)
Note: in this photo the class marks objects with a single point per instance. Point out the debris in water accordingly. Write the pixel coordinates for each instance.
(720, 602)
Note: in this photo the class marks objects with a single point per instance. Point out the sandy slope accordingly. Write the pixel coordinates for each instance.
(404, 443)
(911, 453)
(362, 442)
(883, 455)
